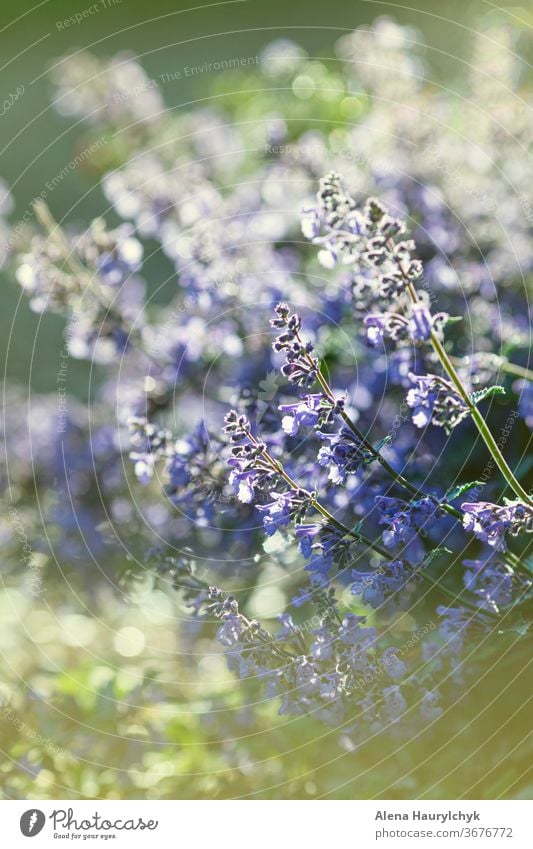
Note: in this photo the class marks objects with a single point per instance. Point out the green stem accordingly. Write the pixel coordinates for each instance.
(479, 421)
(520, 371)
(399, 478)
(358, 537)
(391, 471)
(505, 365)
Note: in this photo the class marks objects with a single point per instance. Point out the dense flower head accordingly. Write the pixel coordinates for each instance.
(404, 519)
(491, 522)
(300, 366)
(416, 326)
(366, 237)
(434, 400)
(343, 454)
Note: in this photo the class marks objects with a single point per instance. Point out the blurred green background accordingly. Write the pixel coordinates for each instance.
(168, 35)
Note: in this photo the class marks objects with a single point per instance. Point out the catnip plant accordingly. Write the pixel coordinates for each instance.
(308, 397)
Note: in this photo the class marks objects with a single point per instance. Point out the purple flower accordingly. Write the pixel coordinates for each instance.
(385, 325)
(376, 586)
(421, 323)
(277, 513)
(343, 456)
(434, 400)
(404, 518)
(231, 630)
(492, 582)
(243, 478)
(490, 522)
(306, 535)
(306, 413)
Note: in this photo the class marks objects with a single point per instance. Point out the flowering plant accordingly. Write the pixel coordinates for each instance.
(304, 441)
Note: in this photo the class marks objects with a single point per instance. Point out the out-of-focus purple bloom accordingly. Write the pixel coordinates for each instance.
(395, 703)
(453, 627)
(231, 630)
(376, 586)
(320, 565)
(394, 667)
(322, 645)
(524, 389)
(493, 582)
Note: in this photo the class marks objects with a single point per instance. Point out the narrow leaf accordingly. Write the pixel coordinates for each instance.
(488, 392)
(456, 491)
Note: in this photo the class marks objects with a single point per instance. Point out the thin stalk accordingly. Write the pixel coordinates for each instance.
(391, 471)
(358, 537)
(505, 365)
(508, 556)
(520, 371)
(478, 419)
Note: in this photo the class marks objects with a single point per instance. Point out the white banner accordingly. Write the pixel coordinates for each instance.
(269, 824)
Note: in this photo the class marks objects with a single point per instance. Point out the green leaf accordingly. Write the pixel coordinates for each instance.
(436, 552)
(488, 392)
(456, 491)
